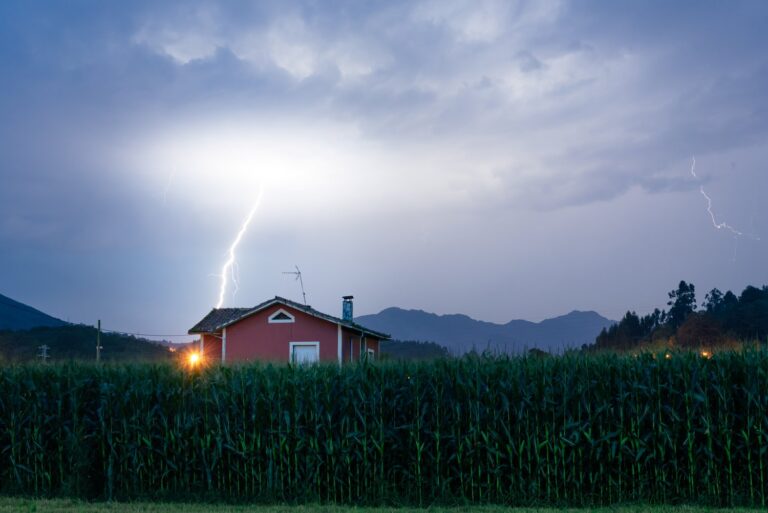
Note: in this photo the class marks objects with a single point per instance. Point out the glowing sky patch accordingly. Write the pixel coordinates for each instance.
(499, 159)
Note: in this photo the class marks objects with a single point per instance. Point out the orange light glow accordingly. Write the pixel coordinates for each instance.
(706, 354)
(194, 359)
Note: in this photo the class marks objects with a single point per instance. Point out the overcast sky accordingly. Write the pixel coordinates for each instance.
(506, 159)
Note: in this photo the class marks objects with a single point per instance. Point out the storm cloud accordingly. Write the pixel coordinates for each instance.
(497, 158)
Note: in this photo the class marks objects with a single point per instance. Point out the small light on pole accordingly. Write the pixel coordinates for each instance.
(194, 359)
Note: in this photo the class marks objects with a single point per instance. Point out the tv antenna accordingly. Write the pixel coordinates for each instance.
(297, 274)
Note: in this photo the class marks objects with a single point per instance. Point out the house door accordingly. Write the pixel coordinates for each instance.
(305, 352)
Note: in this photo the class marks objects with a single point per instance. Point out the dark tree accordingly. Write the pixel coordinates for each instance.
(723, 316)
(753, 295)
(682, 303)
(699, 330)
(650, 322)
(630, 331)
(749, 317)
(713, 301)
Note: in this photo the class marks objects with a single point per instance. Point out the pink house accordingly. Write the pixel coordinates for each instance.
(281, 330)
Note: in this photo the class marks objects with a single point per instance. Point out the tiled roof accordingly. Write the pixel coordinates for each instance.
(219, 318)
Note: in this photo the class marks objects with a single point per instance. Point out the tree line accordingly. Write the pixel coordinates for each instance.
(77, 342)
(720, 319)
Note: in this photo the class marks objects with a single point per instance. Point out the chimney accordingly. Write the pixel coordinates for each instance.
(346, 308)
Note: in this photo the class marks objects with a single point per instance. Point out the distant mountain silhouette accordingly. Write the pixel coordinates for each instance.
(460, 333)
(18, 316)
(24, 329)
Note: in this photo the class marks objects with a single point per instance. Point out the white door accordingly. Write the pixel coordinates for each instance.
(305, 353)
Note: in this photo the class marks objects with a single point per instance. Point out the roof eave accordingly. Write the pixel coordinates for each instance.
(363, 329)
(284, 302)
(254, 310)
(202, 332)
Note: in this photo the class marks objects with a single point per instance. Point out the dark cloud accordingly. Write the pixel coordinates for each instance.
(529, 62)
(509, 110)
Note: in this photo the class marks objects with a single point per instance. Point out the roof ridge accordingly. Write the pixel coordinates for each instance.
(220, 318)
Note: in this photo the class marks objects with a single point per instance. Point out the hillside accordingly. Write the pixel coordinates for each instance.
(77, 342)
(18, 316)
(460, 333)
(24, 329)
(412, 350)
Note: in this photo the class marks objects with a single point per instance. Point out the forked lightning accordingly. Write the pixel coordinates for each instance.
(227, 270)
(719, 226)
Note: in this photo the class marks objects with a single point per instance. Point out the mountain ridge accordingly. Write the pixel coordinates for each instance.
(461, 333)
(15, 315)
(23, 329)
(457, 332)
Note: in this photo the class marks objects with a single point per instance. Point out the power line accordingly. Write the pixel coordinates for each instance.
(120, 332)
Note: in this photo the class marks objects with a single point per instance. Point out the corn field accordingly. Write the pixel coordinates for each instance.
(572, 430)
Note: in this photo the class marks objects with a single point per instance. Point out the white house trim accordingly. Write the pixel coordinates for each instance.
(224, 345)
(338, 331)
(308, 311)
(313, 343)
(272, 320)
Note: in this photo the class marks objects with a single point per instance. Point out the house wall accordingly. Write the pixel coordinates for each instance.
(373, 343)
(350, 345)
(253, 338)
(211, 347)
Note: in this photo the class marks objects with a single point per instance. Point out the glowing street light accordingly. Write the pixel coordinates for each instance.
(194, 359)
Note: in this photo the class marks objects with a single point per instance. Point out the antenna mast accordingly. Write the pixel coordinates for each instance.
(297, 273)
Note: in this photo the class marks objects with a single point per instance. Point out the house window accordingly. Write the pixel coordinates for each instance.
(303, 353)
(281, 316)
(371, 354)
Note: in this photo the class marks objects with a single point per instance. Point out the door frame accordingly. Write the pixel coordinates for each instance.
(312, 343)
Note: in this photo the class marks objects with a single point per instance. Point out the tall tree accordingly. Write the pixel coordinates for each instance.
(682, 303)
(648, 323)
(713, 301)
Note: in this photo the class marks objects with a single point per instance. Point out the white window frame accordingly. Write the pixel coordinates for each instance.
(291, 345)
(271, 319)
(370, 353)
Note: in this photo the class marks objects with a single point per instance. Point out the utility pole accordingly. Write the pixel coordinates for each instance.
(43, 354)
(98, 342)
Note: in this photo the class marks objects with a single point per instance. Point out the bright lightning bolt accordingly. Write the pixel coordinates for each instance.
(717, 225)
(228, 269)
(235, 278)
